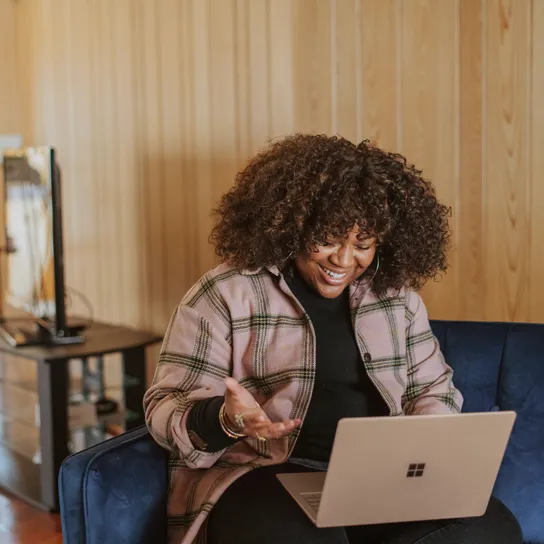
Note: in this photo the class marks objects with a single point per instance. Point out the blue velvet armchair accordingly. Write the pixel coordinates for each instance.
(115, 492)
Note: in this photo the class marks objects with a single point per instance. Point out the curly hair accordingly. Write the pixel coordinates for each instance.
(303, 190)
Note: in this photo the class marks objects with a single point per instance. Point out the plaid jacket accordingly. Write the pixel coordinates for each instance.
(250, 326)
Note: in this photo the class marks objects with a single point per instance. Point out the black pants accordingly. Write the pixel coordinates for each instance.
(256, 509)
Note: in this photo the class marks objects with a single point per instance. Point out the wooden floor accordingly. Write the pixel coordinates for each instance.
(23, 524)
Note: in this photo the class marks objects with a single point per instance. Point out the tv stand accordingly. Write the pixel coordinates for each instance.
(46, 402)
(21, 332)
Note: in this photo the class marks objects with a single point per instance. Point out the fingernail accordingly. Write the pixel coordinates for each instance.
(281, 427)
(260, 418)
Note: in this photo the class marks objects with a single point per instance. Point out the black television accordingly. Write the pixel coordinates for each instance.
(34, 287)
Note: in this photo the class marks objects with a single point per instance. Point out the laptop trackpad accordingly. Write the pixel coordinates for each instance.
(306, 489)
(303, 482)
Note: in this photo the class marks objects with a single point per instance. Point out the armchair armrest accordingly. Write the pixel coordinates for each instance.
(115, 492)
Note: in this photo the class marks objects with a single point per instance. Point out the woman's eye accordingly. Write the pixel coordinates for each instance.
(363, 248)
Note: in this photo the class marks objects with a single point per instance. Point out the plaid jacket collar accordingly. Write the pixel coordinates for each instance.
(274, 270)
(358, 289)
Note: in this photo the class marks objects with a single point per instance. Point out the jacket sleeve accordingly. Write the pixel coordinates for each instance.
(429, 387)
(195, 358)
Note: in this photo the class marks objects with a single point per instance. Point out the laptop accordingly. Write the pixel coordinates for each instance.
(395, 469)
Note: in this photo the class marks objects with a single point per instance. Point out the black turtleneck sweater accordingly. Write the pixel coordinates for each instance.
(342, 386)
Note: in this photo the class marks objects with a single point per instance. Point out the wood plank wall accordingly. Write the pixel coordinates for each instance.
(154, 105)
(9, 99)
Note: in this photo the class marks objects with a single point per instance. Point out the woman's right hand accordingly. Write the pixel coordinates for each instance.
(240, 402)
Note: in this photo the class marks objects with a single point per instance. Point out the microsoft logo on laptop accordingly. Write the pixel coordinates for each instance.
(415, 470)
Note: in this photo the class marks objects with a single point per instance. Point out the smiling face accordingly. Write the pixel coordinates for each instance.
(332, 267)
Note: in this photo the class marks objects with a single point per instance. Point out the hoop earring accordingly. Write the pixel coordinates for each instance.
(375, 271)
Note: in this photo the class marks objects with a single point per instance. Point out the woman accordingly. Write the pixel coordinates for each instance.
(313, 316)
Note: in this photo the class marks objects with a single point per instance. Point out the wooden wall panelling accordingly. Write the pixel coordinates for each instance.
(280, 16)
(430, 109)
(187, 240)
(201, 50)
(259, 74)
(312, 62)
(47, 55)
(107, 292)
(380, 45)
(535, 273)
(155, 104)
(346, 69)
(223, 105)
(470, 232)
(152, 151)
(140, 236)
(118, 63)
(175, 152)
(51, 66)
(26, 74)
(506, 146)
(29, 72)
(242, 81)
(9, 84)
(130, 264)
(74, 155)
(10, 102)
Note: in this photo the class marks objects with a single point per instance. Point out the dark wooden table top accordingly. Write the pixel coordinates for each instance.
(100, 338)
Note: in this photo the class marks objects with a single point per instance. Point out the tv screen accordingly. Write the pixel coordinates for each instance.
(31, 286)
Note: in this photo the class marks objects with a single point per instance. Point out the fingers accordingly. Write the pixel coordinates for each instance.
(257, 424)
(271, 431)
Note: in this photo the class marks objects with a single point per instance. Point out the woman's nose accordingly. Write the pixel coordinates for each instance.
(343, 256)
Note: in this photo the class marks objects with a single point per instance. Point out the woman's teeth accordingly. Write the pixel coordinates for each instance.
(334, 275)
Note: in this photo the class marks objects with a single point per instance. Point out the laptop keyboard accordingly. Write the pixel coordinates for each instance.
(313, 499)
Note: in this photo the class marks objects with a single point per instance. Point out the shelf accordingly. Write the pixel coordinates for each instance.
(20, 476)
(19, 372)
(115, 391)
(19, 437)
(23, 438)
(22, 372)
(120, 418)
(18, 403)
(110, 426)
(85, 438)
(118, 353)
(28, 384)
